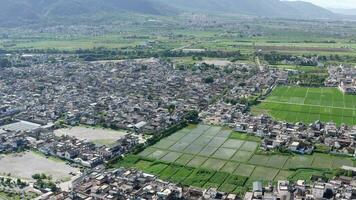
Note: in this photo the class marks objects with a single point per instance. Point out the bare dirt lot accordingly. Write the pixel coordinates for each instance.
(24, 165)
(221, 63)
(96, 135)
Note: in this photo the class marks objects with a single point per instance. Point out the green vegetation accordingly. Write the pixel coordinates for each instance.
(299, 68)
(245, 137)
(17, 196)
(43, 182)
(309, 105)
(167, 37)
(207, 156)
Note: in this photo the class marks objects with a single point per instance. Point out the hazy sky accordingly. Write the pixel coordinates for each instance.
(334, 3)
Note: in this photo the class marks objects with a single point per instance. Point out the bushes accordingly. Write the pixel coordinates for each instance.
(43, 182)
(199, 177)
(319, 148)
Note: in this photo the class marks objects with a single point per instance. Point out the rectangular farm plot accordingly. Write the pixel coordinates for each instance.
(184, 159)
(179, 146)
(178, 135)
(341, 161)
(217, 141)
(147, 152)
(249, 146)
(295, 162)
(322, 161)
(158, 154)
(199, 177)
(310, 104)
(143, 164)
(193, 149)
(181, 174)
(224, 153)
(224, 133)
(200, 129)
(242, 156)
(259, 160)
(212, 131)
(277, 161)
(171, 157)
(233, 144)
(229, 167)
(283, 175)
(232, 182)
(156, 168)
(164, 144)
(216, 180)
(208, 151)
(264, 173)
(203, 140)
(189, 138)
(169, 171)
(197, 161)
(244, 170)
(213, 164)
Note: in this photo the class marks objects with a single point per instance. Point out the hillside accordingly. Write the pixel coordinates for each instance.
(265, 8)
(27, 11)
(23, 11)
(344, 11)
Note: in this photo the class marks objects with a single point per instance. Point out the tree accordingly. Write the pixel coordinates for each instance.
(192, 116)
(171, 108)
(209, 79)
(36, 176)
(4, 63)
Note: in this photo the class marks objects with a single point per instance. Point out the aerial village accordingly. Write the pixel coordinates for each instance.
(147, 96)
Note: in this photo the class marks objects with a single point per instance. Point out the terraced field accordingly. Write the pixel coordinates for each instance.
(207, 156)
(299, 104)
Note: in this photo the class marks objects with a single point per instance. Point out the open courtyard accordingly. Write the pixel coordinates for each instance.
(24, 165)
(98, 136)
(299, 104)
(206, 156)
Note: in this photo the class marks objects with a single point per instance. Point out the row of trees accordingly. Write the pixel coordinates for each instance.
(8, 182)
(308, 79)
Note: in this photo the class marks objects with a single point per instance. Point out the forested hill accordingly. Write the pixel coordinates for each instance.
(25, 11)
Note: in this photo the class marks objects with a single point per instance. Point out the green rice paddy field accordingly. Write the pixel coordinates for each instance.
(210, 156)
(300, 104)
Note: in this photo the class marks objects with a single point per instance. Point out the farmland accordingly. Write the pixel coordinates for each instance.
(209, 156)
(309, 105)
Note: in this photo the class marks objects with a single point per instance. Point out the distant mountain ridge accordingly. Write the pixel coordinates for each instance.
(342, 11)
(33, 10)
(36, 10)
(265, 8)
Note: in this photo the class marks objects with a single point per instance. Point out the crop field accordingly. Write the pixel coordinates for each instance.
(210, 156)
(309, 105)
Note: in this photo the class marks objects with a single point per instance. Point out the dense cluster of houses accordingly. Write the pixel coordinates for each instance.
(12, 142)
(131, 184)
(341, 187)
(236, 101)
(299, 138)
(83, 152)
(343, 77)
(146, 95)
(21, 135)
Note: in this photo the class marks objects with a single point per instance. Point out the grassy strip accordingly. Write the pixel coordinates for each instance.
(242, 136)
